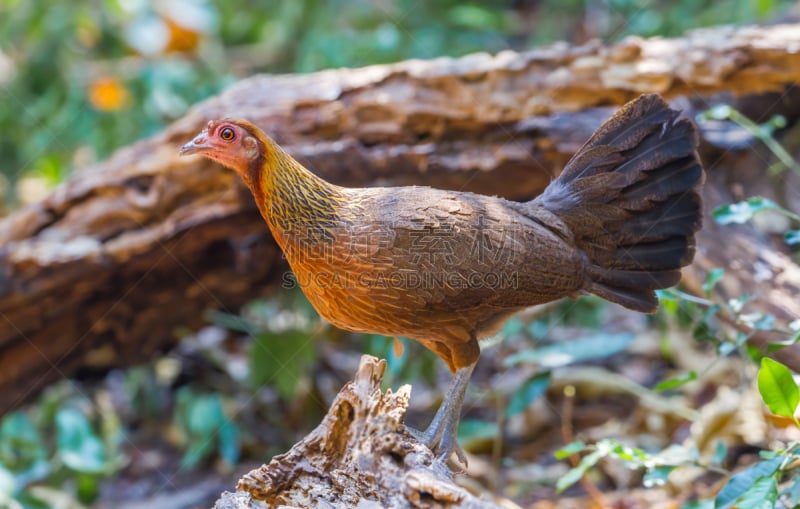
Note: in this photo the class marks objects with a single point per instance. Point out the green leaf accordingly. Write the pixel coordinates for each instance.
(538, 329)
(657, 476)
(88, 487)
(229, 441)
(79, 448)
(574, 475)
(718, 112)
(726, 348)
(280, 359)
(622, 451)
(529, 392)
(720, 453)
(476, 17)
(204, 415)
(762, 495)
(792, 237)
(758, 321)
(230, 321)
(768, 454)
(743, 211)
(702, 331)
(753, 352)
(738, 303)
(777, 388)
(777, 121)
(595, 346)
(21, 446)
(512, 327)
(763, 7)
(699, 504)
(36, 472)
(197, 451)
(570, 449)
(473, 431)
(206, 427)
(8, 484)
(669, 304)
(740, 483)
(793, 493)
(672, 383)
(714, 277)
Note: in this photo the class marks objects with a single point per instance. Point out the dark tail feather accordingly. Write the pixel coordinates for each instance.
(630, 198)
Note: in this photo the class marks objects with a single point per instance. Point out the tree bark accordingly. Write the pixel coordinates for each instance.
(361, 455)
(101, 272)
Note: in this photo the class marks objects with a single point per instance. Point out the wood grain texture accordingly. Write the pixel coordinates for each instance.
(361, 455)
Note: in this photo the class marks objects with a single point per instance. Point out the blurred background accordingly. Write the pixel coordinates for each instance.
(80, 79)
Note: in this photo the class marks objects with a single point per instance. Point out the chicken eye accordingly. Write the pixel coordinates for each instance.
(227, 134)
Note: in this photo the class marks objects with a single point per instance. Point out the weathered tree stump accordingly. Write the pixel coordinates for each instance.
(360, 456)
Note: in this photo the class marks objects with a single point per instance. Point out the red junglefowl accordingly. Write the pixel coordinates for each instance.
(448, 268)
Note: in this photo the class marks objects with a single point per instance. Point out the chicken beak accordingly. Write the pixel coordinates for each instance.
(198, 144)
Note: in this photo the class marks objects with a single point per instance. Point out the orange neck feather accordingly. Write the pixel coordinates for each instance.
(292, 200)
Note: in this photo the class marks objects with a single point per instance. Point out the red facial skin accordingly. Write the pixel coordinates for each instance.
(225, 142)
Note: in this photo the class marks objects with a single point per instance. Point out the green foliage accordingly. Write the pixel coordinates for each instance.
(758, 486)
(575, 474)
(281, 358)
(205, 428)
(778, 389)
(588, 311)
(591, 347)
(81, 78)
(79, 447)
(706, 328)
(475, 431)
(714, 276)
(531, 390)
(615, 19)
(72, 92)
(764, 132)
(761, 484)
(282, 348)
(657, 466)
(744, 211)
(674, 383)
(752, 487)
(21, 447)
(61, 444)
